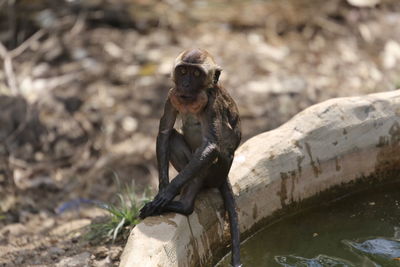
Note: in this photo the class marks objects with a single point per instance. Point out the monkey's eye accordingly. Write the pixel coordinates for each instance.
(196, 73)
(183, 71)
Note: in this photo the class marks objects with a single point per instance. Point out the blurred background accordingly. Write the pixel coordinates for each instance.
(83, 83)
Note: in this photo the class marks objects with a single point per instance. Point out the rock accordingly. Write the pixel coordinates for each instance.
(277, 85)
(115, 253)
(363, 3)
(106, 262)
(55, 252)
(70, 227)
(101, 252)
(15, 229)
(262, 48)
(19, 260)
(130, 124)
(391, 54)
(113, 50)
(80, 260)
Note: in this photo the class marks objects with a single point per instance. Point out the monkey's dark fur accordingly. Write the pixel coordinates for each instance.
(203, 152)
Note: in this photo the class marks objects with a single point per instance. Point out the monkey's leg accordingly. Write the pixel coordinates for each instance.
(185, 205)
(180, 155)
(230, 206)
(180, 151)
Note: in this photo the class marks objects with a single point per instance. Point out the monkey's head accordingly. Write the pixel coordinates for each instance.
(194, 71)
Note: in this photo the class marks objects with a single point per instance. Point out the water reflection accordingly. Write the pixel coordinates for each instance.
(378, 252)
(359, 231)
(319, 261)
(381, 251)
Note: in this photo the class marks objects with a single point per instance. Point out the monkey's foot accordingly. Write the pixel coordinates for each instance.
(156, 206)
(149, 210)
(174, 206)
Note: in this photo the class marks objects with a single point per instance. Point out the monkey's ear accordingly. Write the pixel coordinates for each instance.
(217, 73)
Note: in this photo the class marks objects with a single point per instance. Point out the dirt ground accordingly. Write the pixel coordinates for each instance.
(82, 85)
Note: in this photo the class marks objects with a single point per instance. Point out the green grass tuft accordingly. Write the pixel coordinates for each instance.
(123, 216)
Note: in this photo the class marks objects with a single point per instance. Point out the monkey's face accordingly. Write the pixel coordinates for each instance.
(189, 81)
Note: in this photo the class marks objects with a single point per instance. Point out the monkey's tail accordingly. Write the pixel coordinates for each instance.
(230, 206)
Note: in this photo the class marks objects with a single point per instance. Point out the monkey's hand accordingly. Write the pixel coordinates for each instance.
(156, 206)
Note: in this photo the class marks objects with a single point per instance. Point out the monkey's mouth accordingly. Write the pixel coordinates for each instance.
(187, 98)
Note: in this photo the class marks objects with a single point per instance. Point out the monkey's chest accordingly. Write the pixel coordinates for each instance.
(192, 107)
(191, 129)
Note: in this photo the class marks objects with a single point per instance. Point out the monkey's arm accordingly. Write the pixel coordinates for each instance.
(167, 122)
(203, 157)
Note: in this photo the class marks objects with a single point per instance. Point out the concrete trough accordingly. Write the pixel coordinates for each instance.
(321, 153)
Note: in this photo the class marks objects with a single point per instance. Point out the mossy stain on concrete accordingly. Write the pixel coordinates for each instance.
(314, 166)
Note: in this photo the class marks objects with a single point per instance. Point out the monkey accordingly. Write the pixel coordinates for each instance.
(202, 153)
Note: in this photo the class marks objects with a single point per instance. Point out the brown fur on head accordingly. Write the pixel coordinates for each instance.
(194, 72)
(203, 60)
